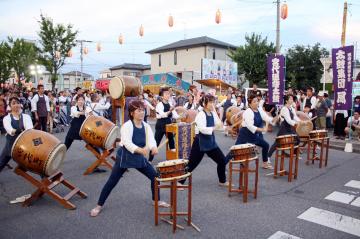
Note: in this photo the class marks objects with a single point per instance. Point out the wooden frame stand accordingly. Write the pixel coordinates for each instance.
(244, 171)
(101, 158)
(324, 144)
(173, 213)
(46, 185)
(280, 153)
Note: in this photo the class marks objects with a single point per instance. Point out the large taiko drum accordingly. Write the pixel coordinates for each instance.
(305, 125)
(187, 116)
(38, 152)
(243, 151)
(125, 86)
(99, 132)
(172, 168)
(232, 110)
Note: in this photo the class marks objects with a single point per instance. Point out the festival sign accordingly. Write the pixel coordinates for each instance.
(276, 78)
(342, 64)
(225, 71)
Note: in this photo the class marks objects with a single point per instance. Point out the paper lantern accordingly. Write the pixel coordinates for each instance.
(284, 11)
(121, 39)
(218, 16)
(98, 46)
(141, 30)
(57, 54)
(2, 85)
(70, 53)
(171, 21)
(85, 50)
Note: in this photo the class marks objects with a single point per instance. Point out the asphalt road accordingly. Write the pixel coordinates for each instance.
(128, 212)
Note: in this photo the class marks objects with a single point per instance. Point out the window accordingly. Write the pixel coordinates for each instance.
(213, 55)
(77, 79)
(175, 58)
(159, 59)
(66, 79)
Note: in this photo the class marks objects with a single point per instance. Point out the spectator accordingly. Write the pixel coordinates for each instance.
(353, 125)
(329, 113)
(3, 112)
(321, 111)
(356, 103)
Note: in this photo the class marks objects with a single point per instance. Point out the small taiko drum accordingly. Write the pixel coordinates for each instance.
(172, 168)
(285, 141)
(230, 112)
(243, 151)
(304, 127)
(237, 119)
(99, 132)
(125, 86)
(190, 116)
(38, 152)
(318, 134)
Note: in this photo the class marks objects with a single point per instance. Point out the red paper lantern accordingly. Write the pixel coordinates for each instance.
(85, 50)
(98, 46)
(284, 11)
(121, 39)
(171, 21)
(70, 53)
(218, 16)
(141, 30)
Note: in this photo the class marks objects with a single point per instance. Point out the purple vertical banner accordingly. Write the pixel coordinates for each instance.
(342, 64)
(276, 78)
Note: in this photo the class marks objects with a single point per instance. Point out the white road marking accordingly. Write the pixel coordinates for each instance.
(353, 184)
(356, 202)
(340, 197)
(282, 235)
(332, 220)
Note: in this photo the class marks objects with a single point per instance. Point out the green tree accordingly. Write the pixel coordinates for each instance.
(22, 54)
(5, 65)
(55, 38)
(303, 66)
(251, 58)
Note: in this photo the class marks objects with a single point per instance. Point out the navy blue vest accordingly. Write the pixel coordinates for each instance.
(207, 142)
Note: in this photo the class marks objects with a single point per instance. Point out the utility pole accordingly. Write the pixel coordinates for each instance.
(343, 34)
(81, 55)
(277, 26)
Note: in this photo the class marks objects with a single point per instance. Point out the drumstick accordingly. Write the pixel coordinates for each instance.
(236, 124)
(162, 144)
(313, 118)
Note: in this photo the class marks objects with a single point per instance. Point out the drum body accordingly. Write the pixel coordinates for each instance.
(285, 141)
(243, 151)
(99, 132)
(187, 116)
(318, 134)
(172, 168)
(236, 119)
(232, 110)
(304, 128)
(38, 152)
(125, 86)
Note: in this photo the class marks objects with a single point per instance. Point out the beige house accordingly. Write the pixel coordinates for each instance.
(129, 69)
(73, 79)
(184, 58)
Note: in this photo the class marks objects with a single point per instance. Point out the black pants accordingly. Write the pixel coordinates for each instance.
(215, 154)
(159, 134)
(340, 124)
(42, 123)
(118, 172)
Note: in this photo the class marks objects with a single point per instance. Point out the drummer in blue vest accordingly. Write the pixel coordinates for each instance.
(14, 123)
(289, 122)
(164, 114)
(136, 140)
(253, 128)
(226, 104)
(204, 141)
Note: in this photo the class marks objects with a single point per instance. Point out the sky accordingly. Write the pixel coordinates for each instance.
(308, 22)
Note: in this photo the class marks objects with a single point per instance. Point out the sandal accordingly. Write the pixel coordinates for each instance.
(162, 204)
(20, 199)
(267, 165)
(95, 211)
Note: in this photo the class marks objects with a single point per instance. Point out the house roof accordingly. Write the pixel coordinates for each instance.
(193, 42)
(131, 66)
(77, 73)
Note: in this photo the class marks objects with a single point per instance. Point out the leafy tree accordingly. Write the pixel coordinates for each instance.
(303, 66)
(251, 58)
(5, 65)
(56, 41)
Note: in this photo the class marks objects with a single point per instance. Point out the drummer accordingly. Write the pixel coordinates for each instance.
(190, 104)
(14, 123)
(225, 104)
(204, 141)
(252, 129)
(136, 140)
(289, 122)
(96, 108)
(164, 113)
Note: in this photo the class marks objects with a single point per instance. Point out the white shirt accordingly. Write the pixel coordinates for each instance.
(126, 134)
(192, 106)
(352, 121)
(248, 119)
(312, 100)
(26, 121)
(285, 115)
(148, 104)
(200, 121)
(74, 112)
(62, 99)
(233, 102)
(35, 100)
(160, 111)
(96, 109)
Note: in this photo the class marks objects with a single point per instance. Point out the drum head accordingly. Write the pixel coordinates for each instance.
(112, 136)
(172, 162)
(304, 128)
(242, 146)
(116, 88)
(55, 160)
